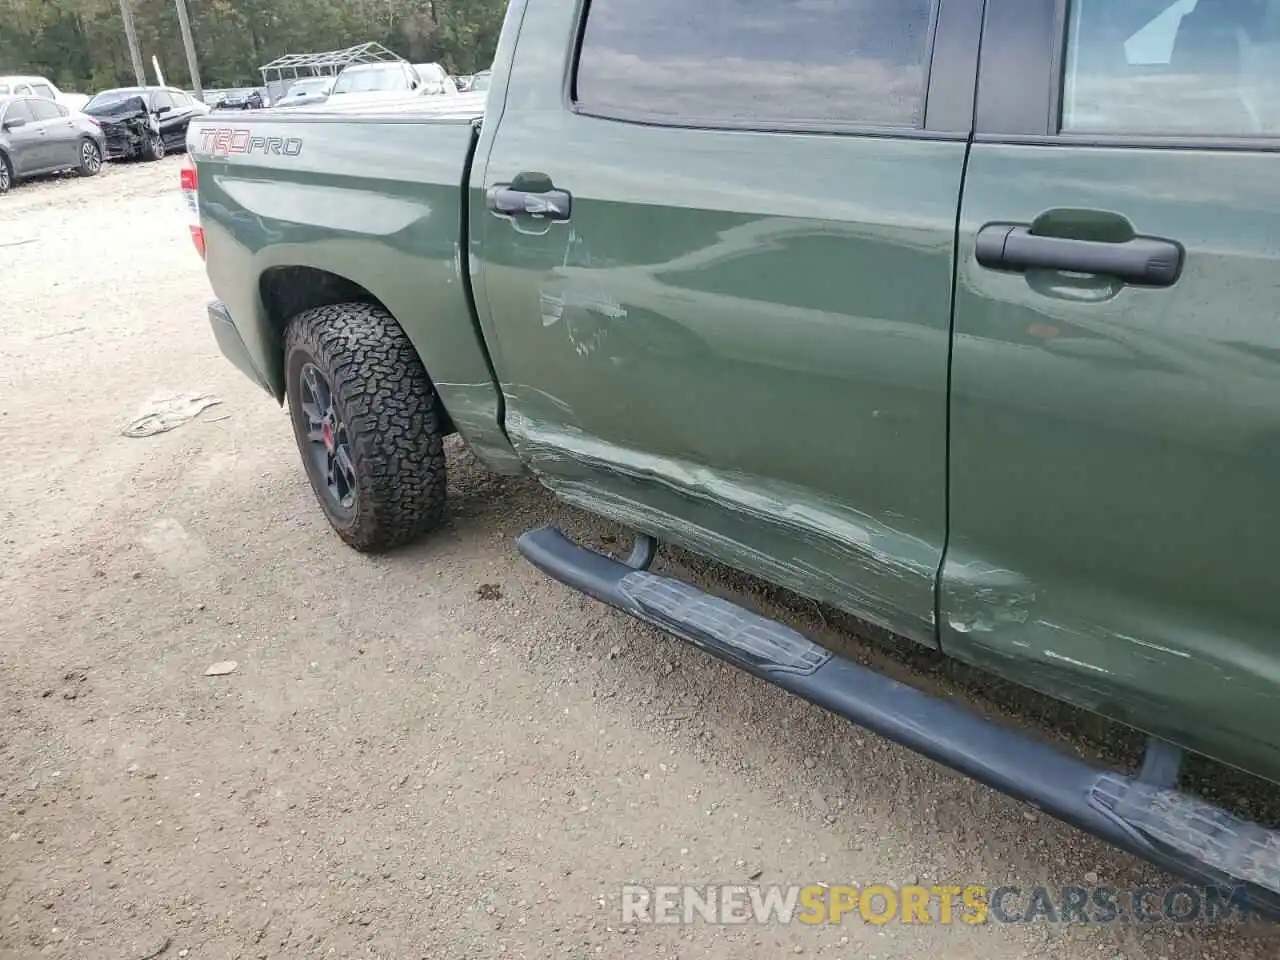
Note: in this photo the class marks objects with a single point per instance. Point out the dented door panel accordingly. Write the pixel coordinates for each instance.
(738, 342)
(1116, 450)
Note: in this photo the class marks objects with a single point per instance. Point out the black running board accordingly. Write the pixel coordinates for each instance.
(1144, 815)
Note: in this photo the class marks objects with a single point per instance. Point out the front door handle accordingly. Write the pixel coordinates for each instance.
(506, 200)
(1142, 261)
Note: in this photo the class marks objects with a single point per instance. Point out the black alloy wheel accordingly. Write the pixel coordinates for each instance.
(329, 445)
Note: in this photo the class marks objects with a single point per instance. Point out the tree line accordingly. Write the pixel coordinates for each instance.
(80, 44)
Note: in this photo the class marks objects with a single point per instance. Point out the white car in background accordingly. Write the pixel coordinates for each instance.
(42, 87)
(371, 82)
(435, 80)
(306, 90)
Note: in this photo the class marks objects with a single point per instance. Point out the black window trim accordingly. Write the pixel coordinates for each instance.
(1021, 86)
(950, 87)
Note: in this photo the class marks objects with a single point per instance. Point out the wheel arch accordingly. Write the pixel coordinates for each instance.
(286, 291)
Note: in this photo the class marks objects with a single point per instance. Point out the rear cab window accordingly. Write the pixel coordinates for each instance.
(44, 91)
(825, 62)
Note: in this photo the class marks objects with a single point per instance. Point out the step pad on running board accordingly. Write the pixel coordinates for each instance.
(1194, 827)
(735, 633)
(1178, 832)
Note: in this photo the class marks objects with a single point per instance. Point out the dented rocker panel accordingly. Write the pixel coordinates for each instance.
(1145, 814)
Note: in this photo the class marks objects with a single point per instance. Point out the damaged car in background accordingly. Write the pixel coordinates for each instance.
(143, 123)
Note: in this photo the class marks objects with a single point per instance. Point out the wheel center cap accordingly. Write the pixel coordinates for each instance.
(326, 432)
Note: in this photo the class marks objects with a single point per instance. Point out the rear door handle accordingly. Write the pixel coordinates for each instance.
(507, 201)
(1142, 261)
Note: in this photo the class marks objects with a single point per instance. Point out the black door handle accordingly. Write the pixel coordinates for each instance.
(1142, 261)
(507, 201)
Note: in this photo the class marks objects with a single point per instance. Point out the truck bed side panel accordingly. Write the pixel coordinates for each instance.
(376, 200)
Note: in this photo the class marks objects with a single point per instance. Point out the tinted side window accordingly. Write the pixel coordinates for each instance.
(43, 90)
(18, 110)
(828, 61)
(44, 109)
(1177, 67)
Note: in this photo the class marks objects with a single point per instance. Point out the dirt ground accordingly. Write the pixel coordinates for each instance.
(437, 754)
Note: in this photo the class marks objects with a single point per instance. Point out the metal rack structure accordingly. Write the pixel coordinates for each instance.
(280, 73)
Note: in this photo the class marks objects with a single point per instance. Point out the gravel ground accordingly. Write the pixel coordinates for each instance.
(436, 754)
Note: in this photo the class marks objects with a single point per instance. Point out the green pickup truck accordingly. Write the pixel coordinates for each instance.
(960, 316)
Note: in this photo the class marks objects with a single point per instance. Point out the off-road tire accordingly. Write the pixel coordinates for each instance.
(392, 417)
(6, 174)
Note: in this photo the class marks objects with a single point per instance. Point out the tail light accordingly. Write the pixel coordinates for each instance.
(190, 180)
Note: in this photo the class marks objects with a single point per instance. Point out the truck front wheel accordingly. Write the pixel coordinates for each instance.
(367, 422)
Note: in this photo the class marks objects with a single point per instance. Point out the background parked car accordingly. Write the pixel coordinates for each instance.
(144, 122)
(39, 136)
(435, 79)
(248, 98)
(480, 82)
(375, 81)
(21, 86)
(306, 90)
